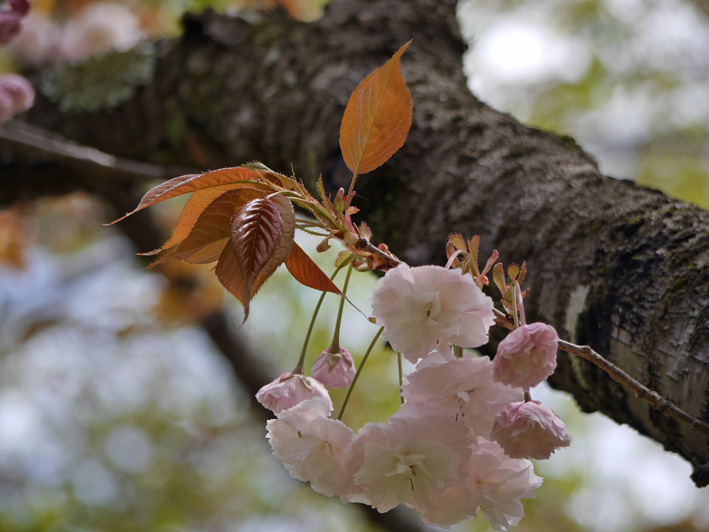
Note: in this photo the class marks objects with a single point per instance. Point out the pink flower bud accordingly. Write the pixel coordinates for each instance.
(288, 390)
(527, 356)
(529, 430)
(334, 370)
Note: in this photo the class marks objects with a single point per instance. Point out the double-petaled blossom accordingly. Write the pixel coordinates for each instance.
(313, 447)
(493, 483)
(462, 388)
(423, 307)
(526, 356)
(407, 459)
(530, 430)
(334, 370)
(289, 389)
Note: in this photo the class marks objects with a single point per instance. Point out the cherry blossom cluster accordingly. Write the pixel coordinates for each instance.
(462, 440)
(95, 29)
(16, 93)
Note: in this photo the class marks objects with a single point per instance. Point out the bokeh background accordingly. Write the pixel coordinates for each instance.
(117, 413)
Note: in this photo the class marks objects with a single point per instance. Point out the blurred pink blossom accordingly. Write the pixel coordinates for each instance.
(38, 43)
(99, 28)
(16, 95)
(526, 356)
(11, 20)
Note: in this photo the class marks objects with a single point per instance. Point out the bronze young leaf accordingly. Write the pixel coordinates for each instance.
(377, 118)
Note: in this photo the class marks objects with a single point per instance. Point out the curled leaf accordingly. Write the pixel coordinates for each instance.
(498, 276)
(305, 271)
(512, 272)
(186, 184)
(195, 206)
(457, 240)
(210, 232)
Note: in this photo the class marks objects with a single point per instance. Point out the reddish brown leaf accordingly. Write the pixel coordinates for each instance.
(283, 246)
(255, 229)
(194, 207)
(377, 118)
(211, 230)
(230, 275)
(194, 182)
(236, 280)
(305, 271)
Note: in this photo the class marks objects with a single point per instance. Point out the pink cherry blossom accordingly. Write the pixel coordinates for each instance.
(494, 483)
(407, 458)
(530, 430)
(526, 356)
(462, 388)
(11, 20)
(313, 447)
(424, 306)
(288, 390)
(10, 26)
(99, 28)
(334, 370)
(38, 42)
(20, 7)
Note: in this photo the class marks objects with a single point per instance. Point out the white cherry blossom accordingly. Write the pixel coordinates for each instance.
(422, 307)
(462, 388)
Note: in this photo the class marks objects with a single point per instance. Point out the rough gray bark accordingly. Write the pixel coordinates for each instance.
(617, 266)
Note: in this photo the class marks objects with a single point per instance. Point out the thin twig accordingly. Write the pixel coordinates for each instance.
(654, 399)
(366, 245)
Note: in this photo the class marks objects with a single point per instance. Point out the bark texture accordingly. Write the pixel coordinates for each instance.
(614, 265)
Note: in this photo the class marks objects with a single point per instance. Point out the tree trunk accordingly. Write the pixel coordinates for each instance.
(617, 266)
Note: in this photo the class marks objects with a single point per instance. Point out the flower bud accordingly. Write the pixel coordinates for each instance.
(529, 430)
(527, 356)
(288, 390)
(334, 370)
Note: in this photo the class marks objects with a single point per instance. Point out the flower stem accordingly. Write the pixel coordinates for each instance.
(359, 370)
(401, 377)
(335, 345)
(299, 366)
